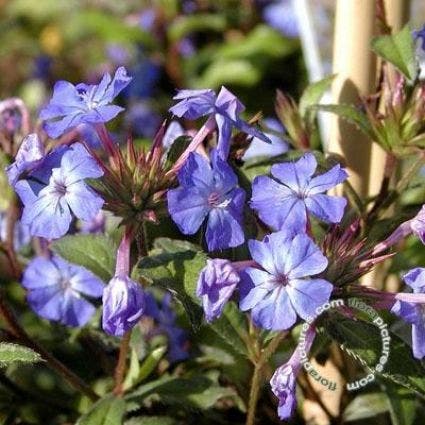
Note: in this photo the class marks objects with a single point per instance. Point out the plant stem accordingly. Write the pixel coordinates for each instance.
(254, 393)
(74, 380)
(122, 363)
(259, 364)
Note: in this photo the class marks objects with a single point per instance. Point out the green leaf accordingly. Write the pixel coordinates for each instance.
(402, 404)
(185, 25)
(107, 411)
(398, 49)
(261, 41)
(175, 266)
(199, 392)
(138, 372)
(313, 93)
(94, 252)
(366, 406)
(363, 341)
(11, 353)
(151, 420)
(350, 114)
(231, 328)
(110, 28)
(232, 71)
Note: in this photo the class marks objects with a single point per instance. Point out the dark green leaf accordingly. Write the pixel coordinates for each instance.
(11, 353)
(231, 328)
(151, 420)
(185, 25)
(195, 392)
(366, 406)
(175, 266)
(402, 404)
(350, 114)
(107, 411)
(94, 252)
(399, 50)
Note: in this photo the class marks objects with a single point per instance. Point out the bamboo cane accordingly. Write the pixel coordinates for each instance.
(355, 67)
(397, 15)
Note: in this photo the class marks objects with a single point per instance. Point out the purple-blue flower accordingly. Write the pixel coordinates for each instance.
(73, 105)
(283, 387)
(226, 109)
(259, 149)
(123, 305)
(30, 154)
(414, 313)
(281, 16)
(57, 290)
(208, 192)
(216, 284)
(284, 379)
(284, 201)
(420, 35)
(165, 319)
(284, 288)
(56, 189)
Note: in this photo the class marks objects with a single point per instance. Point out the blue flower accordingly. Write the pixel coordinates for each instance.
(57, 290)
(283, 288)
(208, 191)
(225, 107)
(420, 35)
(414, 313)
(21, 234)
(283, 387)
(123, 305)
(73, 105)
(259, 149)
(283, 202)
(30, 154)
(165, 319)
(216, 284)
(281, 16)
(56, 188)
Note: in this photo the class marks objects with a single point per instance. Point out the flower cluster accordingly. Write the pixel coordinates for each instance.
(292, 249)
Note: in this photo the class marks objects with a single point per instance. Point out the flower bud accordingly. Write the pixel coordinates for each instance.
(123, 305)
(216, 283)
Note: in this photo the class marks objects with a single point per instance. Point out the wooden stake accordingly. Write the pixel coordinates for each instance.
(355, 67)
(397, 14)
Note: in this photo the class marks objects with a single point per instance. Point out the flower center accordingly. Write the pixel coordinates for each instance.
(65, 284)
(282, 280)
(215, 200)
(60, 188)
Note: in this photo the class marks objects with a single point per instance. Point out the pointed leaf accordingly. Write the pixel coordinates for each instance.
(398, 49)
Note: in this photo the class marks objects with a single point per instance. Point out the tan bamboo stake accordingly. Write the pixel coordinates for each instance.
(397, 15)
(355, 67)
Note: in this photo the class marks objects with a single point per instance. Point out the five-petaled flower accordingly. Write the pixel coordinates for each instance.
(55, 188)
(208, 190)
(284, 201)
(226, 109)
(414, 313)
(57, 290)
(284, 288)
(83, 104)
(216, 284)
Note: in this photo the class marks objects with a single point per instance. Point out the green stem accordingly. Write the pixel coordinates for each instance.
(122, 363)
(257, 376)
(254, 393)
